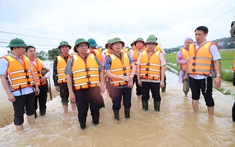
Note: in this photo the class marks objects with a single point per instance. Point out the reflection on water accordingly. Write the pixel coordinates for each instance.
(174, 125)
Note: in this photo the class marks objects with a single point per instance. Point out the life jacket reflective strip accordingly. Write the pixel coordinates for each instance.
(61, 64)
(120, 68)
(150, 67)
(201, 60)
(19, 74)
(98, 53)
(184, 57)
(85, 72)
(37, 70)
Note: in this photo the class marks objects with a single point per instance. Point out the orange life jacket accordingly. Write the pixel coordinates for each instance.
(98, 53)
(158, 48)
(107, 52)
(85, 72)
(120, 68)
(37, 70)
(201, 60)
(131, 50)
(19, 74)
(234, 63)
(125, 50)
(61, 64)
(184, 56)
(150, 67)
(135, 56)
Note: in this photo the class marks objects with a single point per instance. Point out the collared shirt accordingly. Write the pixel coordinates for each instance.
(215, 56)
(68, 69)
(3, 72)
(163, 63)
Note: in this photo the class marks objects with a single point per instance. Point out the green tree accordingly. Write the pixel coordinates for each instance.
(53, 53)
(41, 55)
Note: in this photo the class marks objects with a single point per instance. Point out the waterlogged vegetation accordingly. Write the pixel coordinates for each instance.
(226, 66)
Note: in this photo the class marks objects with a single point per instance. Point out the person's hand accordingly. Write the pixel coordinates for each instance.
(130, 84)
(72, 97)
(217, 82)
(162, 84)
(43, 79)
(185, 77)
(37, 91)
(102, 89)
(127, 78)
(11, 97)
(57, 88)
(140, 83)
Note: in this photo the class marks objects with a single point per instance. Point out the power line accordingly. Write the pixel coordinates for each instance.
(222, 15)
(195, 19)
(36, 44)
(30, 35)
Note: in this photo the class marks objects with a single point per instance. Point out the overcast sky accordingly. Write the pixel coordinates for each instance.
(52, 21)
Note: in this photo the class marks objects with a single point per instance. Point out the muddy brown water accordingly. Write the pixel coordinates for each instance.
(174, 125)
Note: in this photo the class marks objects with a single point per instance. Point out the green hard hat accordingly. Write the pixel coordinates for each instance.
(79, 41)
(153, 36)
(116, 39)
(151, 39)
(139, 39)
(16, 43)
(64, 43)
(108, 42)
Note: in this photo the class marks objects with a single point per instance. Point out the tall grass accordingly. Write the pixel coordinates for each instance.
(226, 63)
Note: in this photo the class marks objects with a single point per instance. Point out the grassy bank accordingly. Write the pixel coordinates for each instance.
(226, 63)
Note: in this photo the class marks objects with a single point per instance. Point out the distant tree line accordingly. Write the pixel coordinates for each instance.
(50, 55)
(223, 43)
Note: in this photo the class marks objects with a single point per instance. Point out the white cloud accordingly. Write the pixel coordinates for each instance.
(171, 21)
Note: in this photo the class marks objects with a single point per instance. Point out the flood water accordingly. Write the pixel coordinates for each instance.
(174, 125)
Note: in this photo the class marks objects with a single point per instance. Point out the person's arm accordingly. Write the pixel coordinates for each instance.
(47, 75)
(138, 70)
(68, 72)
(217, 67)
(37, 91)
(163, 70)
(101, 76)
(55, 78)
(6, 87)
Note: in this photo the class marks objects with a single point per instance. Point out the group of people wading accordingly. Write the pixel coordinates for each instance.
(82, 77)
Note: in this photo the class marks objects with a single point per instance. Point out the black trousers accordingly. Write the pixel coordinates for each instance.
(154, 87)
(138, 88)
(117, 95)
(203, 85)
(42, 97)
(86, 98)
(23, 103)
